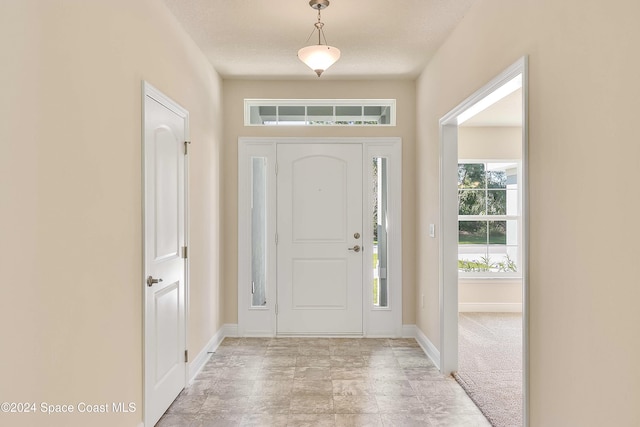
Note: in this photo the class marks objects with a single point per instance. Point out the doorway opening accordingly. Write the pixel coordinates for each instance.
(483, 265)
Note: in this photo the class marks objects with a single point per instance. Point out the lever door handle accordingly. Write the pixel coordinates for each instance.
(151, 281)
(356, 248)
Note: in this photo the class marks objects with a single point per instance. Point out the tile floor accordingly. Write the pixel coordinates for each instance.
(321, 382)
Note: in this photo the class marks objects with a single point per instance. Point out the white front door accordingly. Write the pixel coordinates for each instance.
(319, 226)
(164, 230)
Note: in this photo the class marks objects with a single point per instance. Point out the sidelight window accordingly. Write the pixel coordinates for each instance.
(380, 233)
(258, 231)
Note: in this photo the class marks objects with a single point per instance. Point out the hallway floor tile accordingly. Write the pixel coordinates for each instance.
(321, 382)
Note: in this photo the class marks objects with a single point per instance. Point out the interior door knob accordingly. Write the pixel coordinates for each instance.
(356, 248)
(151, 281)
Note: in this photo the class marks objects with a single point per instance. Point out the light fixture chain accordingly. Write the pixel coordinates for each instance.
(321, 31)
(309, 38)
(319, 26)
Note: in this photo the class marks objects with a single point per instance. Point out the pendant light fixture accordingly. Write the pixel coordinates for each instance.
(320, 56)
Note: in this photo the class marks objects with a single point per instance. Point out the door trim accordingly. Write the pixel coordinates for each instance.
(150, 91)
(448, 265)
(261, 321)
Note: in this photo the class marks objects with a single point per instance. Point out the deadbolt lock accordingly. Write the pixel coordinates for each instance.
(356, 235)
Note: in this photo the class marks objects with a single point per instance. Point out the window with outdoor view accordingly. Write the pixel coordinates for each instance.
(319, 112)
(380, 234)
(488, 219)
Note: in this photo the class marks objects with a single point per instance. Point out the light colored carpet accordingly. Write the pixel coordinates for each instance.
(490, 364)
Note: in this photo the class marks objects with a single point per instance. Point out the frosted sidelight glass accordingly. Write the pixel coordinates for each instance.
(258, 231)
(379, 223)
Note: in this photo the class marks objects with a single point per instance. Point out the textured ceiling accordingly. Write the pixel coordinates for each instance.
(260, 39)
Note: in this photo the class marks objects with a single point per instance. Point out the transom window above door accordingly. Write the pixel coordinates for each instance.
(319, 112)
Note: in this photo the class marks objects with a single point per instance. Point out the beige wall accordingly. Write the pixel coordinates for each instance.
(583, 157)
(235, 91)
(70, 194)
(491, 143)
(489, 291)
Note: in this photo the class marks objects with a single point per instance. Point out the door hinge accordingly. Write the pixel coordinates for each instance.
(186, 356)
(276, 308)
(186, 149)
(276, 238)
(253, 287)
(184, 252)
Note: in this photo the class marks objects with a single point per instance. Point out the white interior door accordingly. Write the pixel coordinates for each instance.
(164, 226)
(319, 226)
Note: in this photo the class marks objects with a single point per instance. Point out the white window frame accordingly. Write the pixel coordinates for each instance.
(517, 218)
(249, 103)
(384, 321)
(255, 320)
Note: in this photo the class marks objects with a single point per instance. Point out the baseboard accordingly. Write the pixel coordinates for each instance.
(409, 331)
(196, 365)
(230, 329)
(258, 334)
(432, 352)
(412, 331)
(384, 335)
(490, 307)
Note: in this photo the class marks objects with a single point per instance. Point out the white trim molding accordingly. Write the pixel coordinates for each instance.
(230, 330)
(196, 365)
(448, 262)
(412, 331)
(486, 307)
(428, 347)
(409, 331)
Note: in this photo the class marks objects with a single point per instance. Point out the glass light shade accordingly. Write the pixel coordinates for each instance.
(319, 57)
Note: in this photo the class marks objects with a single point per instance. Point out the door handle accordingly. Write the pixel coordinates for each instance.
(356, 248)
(151, 281)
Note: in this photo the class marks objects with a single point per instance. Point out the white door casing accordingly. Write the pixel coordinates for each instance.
(319, 256)
(262, 320)
(165, 133)
(448, 262)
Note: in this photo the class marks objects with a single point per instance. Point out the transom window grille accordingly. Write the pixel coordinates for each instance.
(319, 112)
(488, 219)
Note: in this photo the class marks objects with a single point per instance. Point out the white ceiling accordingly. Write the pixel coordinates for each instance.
(260, 39)
(506, 112)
